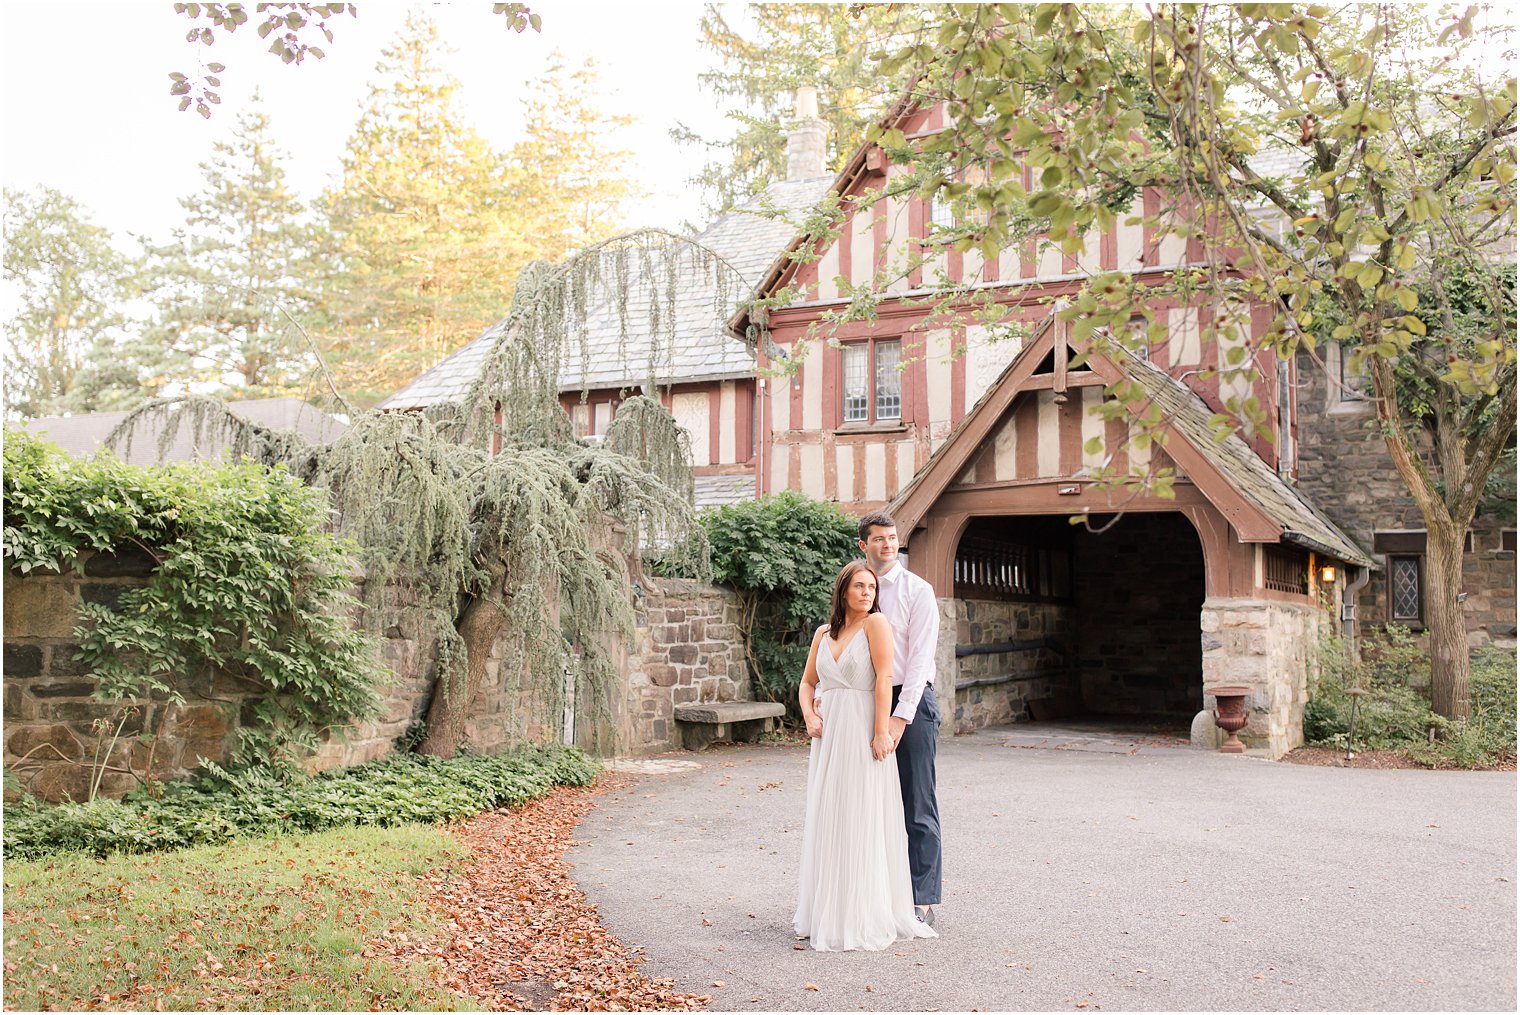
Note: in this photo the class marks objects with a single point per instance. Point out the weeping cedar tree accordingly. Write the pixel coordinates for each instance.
(1391, 230)
(489, 512)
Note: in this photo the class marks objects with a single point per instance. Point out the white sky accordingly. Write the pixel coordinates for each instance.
(86, 109)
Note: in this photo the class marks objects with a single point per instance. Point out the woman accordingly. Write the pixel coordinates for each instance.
(856, 892)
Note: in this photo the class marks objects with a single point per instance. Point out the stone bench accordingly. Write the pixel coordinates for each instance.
(740, 721)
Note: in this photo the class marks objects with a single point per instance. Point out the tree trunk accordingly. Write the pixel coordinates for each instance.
(1449, 663)
(479, 625)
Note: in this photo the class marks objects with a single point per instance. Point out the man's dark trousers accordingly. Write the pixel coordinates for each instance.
(915, 770)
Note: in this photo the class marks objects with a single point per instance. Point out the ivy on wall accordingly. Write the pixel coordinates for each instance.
(245, 582)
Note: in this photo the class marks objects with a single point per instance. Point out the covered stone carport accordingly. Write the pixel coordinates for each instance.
(1149, 601)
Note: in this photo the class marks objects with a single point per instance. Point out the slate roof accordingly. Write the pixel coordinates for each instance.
(705, 349)
(1302, 522)
(716, 491)
(84, 434)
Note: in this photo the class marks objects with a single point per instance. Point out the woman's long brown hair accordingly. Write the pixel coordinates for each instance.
(836, 611)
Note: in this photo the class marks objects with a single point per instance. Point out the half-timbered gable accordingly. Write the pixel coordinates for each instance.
(871, 400)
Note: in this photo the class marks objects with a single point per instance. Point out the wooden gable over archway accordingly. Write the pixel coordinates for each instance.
(1026, 448)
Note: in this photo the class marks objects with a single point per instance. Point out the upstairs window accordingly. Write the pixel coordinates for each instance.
(872, 383)
(591, 419)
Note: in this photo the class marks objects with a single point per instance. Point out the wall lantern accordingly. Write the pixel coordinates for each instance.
(1327, 574)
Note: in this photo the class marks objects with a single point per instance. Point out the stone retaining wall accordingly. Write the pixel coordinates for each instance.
(686, 648)
(1264, 645)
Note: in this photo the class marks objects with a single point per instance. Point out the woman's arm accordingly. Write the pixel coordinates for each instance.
(811, 715)
(879, 640)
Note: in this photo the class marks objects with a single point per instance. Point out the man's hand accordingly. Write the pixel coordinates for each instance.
(881, 746)
(814, 720)
(895, 727)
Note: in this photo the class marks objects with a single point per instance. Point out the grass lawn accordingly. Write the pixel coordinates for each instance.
(276, 923)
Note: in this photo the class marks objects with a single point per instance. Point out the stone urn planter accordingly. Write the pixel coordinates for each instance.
(1230, 715)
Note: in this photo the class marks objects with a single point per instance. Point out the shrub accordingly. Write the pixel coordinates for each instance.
(1394, 712)
(781, 553)
(219, 805)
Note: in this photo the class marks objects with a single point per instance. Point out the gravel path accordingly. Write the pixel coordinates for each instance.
(1084, 872)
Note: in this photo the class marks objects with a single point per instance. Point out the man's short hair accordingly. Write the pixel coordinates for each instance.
(873, 520)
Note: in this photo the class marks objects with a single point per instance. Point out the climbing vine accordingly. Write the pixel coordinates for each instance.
(245, 583)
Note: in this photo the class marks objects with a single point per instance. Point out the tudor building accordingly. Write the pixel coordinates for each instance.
(983, 447)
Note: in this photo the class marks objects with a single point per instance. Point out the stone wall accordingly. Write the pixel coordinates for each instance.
(1267, 646)
(1345, 470)
(996, 687)
(686, 648)
(52, 730)
(1137, 591)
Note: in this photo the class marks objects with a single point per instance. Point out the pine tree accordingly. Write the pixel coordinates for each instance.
(785, 46)
(237, 273)
(424, 223)
(572, 182)
(63, 331)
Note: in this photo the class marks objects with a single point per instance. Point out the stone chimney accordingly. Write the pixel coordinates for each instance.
(807, 141)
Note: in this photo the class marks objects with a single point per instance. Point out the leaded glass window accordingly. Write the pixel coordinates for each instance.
(888, 380)
(871, 381)
(857, 383)
(1404, 587)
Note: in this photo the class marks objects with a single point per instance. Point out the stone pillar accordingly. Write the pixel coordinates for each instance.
(1266, 645)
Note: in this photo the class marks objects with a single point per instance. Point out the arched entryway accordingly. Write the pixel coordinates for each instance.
(1056, 622)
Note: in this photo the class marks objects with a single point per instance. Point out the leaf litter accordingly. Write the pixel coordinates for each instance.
(518, 933)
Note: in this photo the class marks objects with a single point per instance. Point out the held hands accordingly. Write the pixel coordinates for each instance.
(882, 745)
(814, 720)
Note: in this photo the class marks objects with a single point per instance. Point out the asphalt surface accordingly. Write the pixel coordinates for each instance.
(1084, 873)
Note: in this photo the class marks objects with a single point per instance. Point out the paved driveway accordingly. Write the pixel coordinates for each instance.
(1085, 874)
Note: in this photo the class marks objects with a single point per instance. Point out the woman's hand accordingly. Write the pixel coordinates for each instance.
(881, 746)
(814, 720)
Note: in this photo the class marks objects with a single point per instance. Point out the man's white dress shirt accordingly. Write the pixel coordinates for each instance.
(913, 611)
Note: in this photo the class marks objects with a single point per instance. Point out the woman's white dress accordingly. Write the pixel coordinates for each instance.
(856, 891)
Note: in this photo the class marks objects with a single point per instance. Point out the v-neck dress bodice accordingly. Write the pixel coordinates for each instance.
(852, 671)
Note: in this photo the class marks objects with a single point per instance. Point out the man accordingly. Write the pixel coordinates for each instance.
(910, 605)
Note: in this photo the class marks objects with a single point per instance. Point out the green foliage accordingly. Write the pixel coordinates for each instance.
(782, 553)
(246, 583)
(765, 52)
(431, 225)
(218, 806)
(65, 330)
(1394, 713)
(1488, 735)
